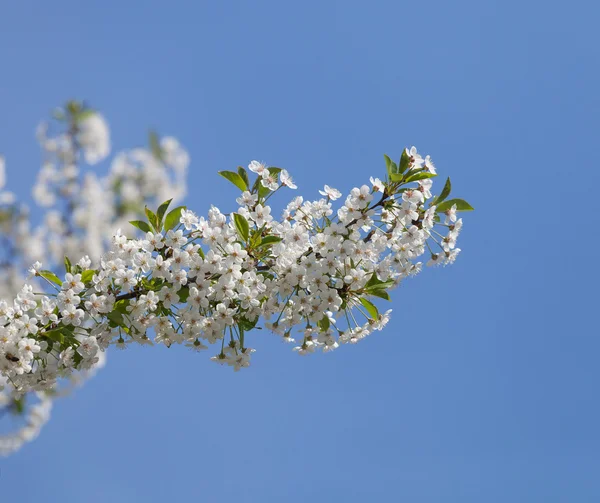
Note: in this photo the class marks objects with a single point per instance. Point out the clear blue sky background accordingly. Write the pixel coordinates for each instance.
(484, 388)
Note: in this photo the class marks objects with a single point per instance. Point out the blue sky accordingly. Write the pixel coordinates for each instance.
(484, 385)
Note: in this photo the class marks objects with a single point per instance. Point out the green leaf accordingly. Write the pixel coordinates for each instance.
(173, 217)
(244, 175)
(262, 190)
(141, 225)
(247, 325)
(241, 224)
(160, 213)
(324, 324)
(84, 114)
(184, 293)
(18, 406)
(421, 175)
(55, 335)
(445, 192)
(370, 307)
(116, 319)
(269, 240)
(461, 205)
(201, 253)
(390, 166)
(380, 293)
(396, 177)
(67, 264)
(155, 147)
(50, 276)
(87, 275)
(74, 107)
(255, 238)
(375, 283)
(404, 162)
(234, 178)
(151, 218)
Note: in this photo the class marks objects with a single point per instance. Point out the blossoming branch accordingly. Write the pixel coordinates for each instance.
(311, 277)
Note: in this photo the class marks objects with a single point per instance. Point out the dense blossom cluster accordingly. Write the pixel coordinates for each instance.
(310, 276)
(81, 211)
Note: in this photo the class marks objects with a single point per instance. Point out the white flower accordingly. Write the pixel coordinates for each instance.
(269, 180)
(94, 138)
(286, 179)
(416, 161)
(429, 165)
(330, 192)
(35, 269)
(378, 185)
(451, 214)
(257, 167)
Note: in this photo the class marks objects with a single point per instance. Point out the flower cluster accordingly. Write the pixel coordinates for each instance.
(310, 276)
(81, 211)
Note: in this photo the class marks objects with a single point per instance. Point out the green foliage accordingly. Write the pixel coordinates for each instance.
(244, 175)
(152, 219)
(445, 192)
(421, 175)
(50, 276)
(235, 178)
(324, 324)
(160, 213)
(173, 217)
(370, 307)
(377, 288)
(269, 240)
(155, 148)
(461, 205)
(390, 166)
(404, 162)
(87, 275)
(241, 224)
(141, 225)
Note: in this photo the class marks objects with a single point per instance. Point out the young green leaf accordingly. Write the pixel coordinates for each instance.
(151, 218)
(247, 325)
(116, 318)
(50, 276)
(404, 161)
(155, 147)
(160, 213)
(244, 175)
(461, 205)
(87, 275)
(56, 335)
(241, 224)
(370, 307)
(380, 293)
(84, 114)
(184, 293)
(269, 240)
(445, 192)
(422, 175)
(390, 166)
(141, 225)
(324, 324)
(234, 178)
(68, 266)
(375, 283)
(173, 217)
